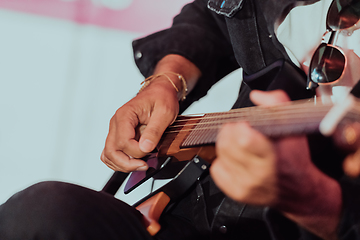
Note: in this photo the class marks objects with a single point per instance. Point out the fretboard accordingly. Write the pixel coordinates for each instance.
(301, 117)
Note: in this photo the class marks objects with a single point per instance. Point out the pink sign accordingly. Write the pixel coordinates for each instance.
(144, 16)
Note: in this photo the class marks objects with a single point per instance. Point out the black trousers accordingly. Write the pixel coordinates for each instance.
(56, 210)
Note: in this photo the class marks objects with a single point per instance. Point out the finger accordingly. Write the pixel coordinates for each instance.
(116, 154)
(159, 121)
(119, 161)
(270, 98)
(241, 184)
(107, 162)
(245, 138)
(223, 180)
(122, 135)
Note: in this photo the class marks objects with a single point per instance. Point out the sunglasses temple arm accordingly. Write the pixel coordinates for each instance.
(310, 85)
(333, 37)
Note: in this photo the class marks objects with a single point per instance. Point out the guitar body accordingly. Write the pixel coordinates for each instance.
(170, 143)
(184, 175)
(171, 161)
(186, 149)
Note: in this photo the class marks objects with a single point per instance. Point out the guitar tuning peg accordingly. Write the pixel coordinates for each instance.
(351, 133)
(351, 164)
(347, 136)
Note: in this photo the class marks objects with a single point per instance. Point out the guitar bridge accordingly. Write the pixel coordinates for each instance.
(182, 181)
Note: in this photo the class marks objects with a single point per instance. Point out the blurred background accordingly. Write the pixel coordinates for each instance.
(65, 67)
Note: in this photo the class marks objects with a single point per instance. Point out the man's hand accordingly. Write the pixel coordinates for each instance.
(253, 169)
(247, 164)
(137, 127)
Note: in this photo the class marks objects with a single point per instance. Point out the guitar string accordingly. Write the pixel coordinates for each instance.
(237, 113)
(198, 136)
(254, 119)
(246, 111)
(224, 118)
(199, 126)
(307, 105)
(218, 125)
(254, 123)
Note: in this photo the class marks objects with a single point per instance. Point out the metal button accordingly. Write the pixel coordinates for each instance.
(223, 229)
(138, 54)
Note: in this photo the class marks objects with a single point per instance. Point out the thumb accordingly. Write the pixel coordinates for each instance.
(154, 130)
(269, 98)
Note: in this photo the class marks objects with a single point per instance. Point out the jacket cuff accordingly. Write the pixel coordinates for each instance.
(349, 226)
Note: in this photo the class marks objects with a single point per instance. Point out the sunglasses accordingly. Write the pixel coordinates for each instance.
(328, 62)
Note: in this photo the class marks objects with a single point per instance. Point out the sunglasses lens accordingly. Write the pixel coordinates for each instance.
(327, 64)
(343, 14)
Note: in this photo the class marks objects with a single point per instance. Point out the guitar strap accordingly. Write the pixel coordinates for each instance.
(356, 90)
(286, 76)
(227, 213)
(283, 75)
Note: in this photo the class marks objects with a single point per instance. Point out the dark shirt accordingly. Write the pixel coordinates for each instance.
(218, 37)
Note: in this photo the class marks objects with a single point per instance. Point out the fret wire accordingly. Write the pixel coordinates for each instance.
(302, 104)
(246, 114)
(252, 119)
(268, 116)
(230, 114)
(218, 126)
(278, 120)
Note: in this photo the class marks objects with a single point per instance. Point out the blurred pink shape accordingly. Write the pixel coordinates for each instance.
(143, 16)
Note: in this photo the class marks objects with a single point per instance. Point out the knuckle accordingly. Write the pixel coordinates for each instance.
(245, 137)
(240, 194)
(106, 153)
(103, 159)
(125, 169)
(154, 132)
(121, 144)
(221, 145)
(245, 142)
(111, 167)
(138, 155)
(223, 139)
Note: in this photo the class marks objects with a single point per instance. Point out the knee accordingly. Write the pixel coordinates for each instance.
(40, 204)
(41, 198)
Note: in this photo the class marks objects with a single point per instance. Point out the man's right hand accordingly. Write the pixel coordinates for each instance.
(137, 126)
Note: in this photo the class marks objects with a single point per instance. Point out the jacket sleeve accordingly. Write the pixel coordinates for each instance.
(197, 34)
(349, 227)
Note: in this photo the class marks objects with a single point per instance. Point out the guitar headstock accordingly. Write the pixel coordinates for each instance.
(343, 123)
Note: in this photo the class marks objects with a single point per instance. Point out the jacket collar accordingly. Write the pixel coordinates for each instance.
(229, 8)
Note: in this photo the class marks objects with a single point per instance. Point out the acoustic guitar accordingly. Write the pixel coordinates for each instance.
(186, 149)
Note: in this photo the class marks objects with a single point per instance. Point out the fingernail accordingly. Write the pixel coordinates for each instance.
(142, 168)
(147, 146)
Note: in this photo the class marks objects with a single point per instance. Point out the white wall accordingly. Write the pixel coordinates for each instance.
(60, 83)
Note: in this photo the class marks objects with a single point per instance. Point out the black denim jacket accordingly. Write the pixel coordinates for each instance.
(220, 36)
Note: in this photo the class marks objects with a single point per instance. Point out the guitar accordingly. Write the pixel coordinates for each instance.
(188, 144)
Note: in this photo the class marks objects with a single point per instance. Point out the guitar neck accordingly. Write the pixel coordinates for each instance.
(293, 118)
